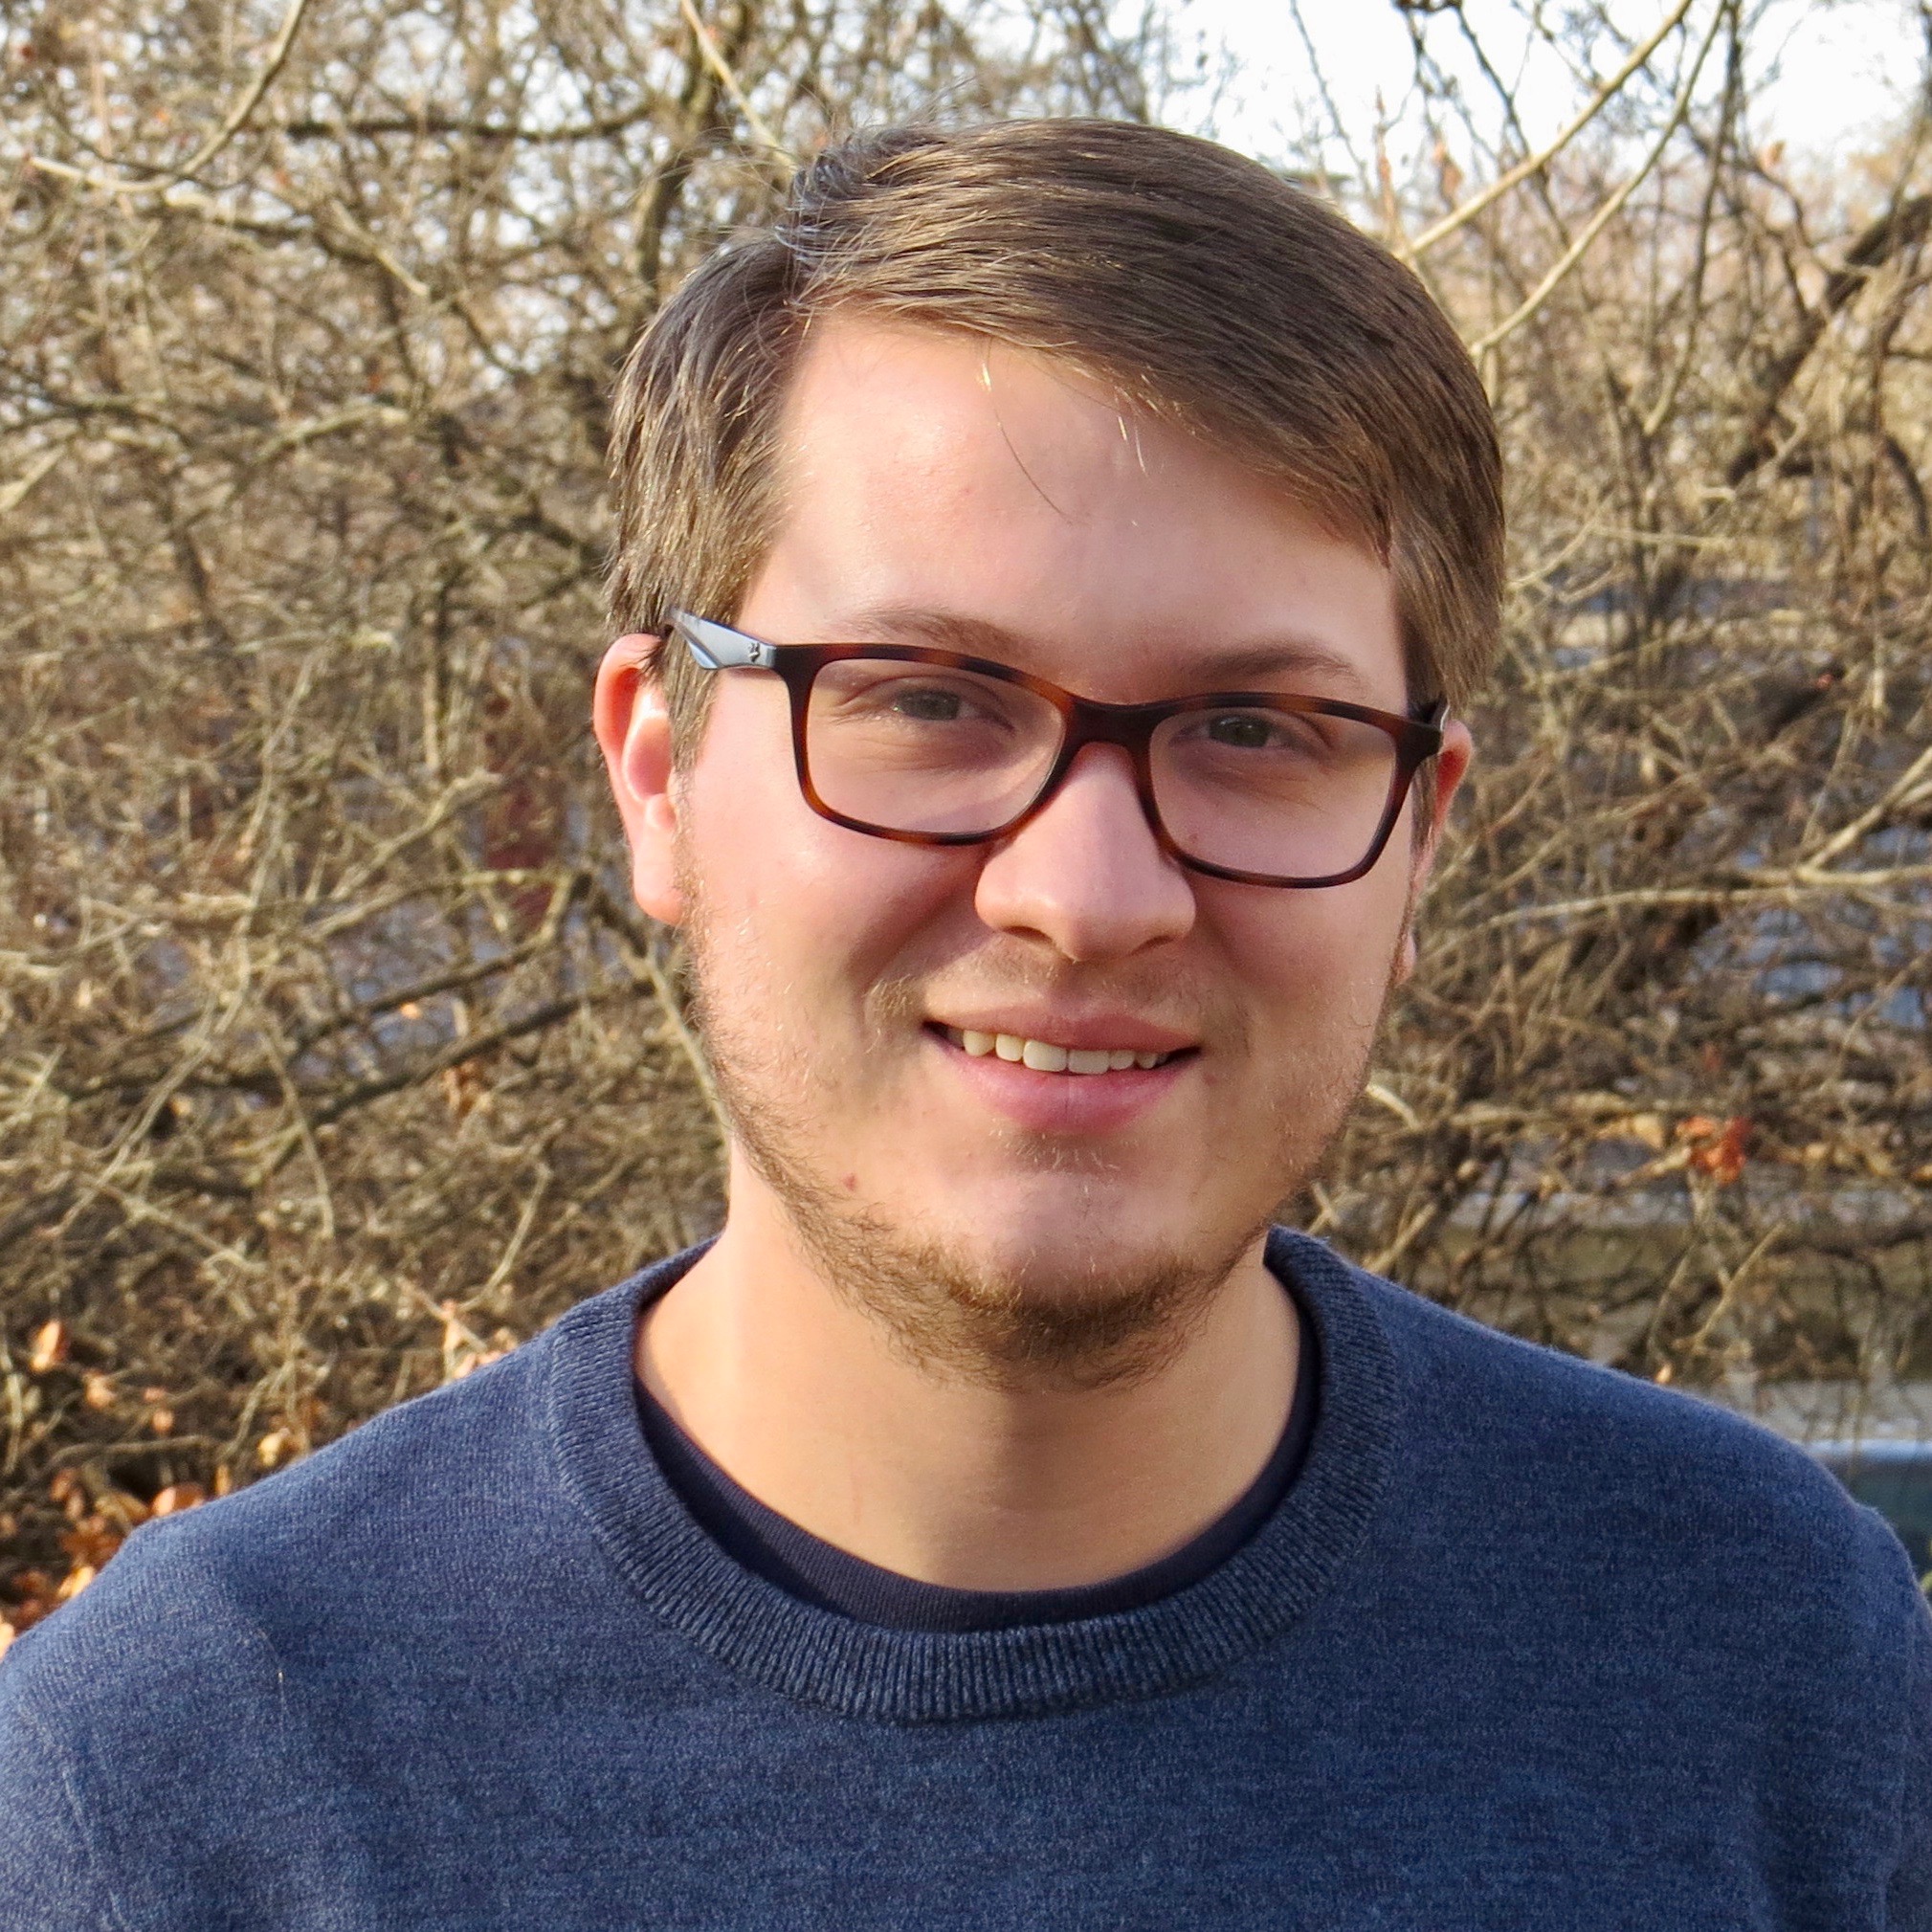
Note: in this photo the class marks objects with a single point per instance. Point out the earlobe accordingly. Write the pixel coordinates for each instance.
(633, 732)
(1405, 953)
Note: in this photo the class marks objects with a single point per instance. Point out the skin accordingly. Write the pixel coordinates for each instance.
(930, 481)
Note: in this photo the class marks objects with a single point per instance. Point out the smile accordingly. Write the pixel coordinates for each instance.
(1046, 1056)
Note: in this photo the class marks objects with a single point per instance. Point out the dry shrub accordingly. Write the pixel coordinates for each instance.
(1662, 1092)
(336, 1056)
(336, 1059)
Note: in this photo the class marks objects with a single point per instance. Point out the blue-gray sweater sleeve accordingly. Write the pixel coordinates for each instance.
(48, 1875)
(1909, 1899)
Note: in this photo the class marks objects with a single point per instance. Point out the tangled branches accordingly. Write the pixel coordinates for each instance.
(336, 1057)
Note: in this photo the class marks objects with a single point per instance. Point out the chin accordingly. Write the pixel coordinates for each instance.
(1057, 1267)
(1053, 1227)
(1030, 1288)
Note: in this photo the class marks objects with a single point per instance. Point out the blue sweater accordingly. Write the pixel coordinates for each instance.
(1527, 1645)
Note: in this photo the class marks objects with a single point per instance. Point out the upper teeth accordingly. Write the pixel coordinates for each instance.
(1045, 1057)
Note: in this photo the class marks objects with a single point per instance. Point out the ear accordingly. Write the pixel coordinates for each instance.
(633, 732)
(1447, 772)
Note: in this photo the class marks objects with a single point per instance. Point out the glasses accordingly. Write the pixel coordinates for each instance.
(934, 747)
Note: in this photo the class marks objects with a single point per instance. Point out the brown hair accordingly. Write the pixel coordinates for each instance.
(1192, 281)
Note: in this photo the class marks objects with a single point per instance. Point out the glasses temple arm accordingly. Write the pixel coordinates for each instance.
(717, 646)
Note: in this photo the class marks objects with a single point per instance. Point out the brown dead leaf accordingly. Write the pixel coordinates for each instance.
(32, 1584)
(463, 1089)
(48, 1348)
(92, 1540)
(1716, 1147)
(178, 1497)
(76, 1581)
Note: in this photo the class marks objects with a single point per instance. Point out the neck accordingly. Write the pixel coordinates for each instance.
(804, 1401)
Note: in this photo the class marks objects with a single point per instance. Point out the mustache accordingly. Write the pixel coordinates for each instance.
(1160, 993)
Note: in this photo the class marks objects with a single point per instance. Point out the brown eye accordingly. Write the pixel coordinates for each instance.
(1243, 733)
(930, 707)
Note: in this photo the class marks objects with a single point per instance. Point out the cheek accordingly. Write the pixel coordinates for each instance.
(1315, 963)
(801, 905)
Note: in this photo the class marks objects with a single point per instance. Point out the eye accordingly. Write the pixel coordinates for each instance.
(1242, 731)
(929, 706)
(1284, 733)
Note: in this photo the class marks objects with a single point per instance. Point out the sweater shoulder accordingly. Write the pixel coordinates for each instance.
(194, 1597)
(252, 1635)
(1541, 1430)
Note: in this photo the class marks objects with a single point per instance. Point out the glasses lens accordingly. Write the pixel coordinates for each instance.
(922, 747)
(1285, 794)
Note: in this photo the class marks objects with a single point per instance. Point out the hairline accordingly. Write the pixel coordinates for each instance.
(1362, 409)
(1116, 388)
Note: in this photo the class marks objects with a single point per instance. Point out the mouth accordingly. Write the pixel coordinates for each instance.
(1050, 1056)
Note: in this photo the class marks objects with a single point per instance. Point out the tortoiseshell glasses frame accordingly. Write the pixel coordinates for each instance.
(1084, 721)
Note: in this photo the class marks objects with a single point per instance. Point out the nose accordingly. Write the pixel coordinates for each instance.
(1087, 875)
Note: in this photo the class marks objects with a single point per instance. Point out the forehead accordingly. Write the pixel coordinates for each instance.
(932, 482)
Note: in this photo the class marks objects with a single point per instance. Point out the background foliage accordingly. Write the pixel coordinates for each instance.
(335, 1058)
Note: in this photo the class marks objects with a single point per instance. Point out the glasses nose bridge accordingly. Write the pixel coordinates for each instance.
(1130, 726)
(1087, 720)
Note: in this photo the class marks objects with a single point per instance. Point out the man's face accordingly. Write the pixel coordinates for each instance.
(939, 492)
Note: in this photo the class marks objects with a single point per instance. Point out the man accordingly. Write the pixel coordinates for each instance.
(1052, 567)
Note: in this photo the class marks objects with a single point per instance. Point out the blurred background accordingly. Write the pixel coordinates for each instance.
(335, 1060)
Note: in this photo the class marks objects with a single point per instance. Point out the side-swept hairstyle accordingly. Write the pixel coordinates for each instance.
(1190, 282)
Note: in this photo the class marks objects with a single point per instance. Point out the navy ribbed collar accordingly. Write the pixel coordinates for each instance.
(913, 1676)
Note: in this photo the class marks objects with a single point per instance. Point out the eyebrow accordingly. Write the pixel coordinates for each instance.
(1236, 668)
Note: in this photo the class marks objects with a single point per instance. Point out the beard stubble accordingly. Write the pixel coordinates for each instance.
(1114, 1321)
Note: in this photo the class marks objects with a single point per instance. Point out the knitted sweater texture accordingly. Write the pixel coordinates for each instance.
(1527, 1645)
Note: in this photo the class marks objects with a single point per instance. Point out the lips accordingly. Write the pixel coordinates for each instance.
(1041, 1095)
